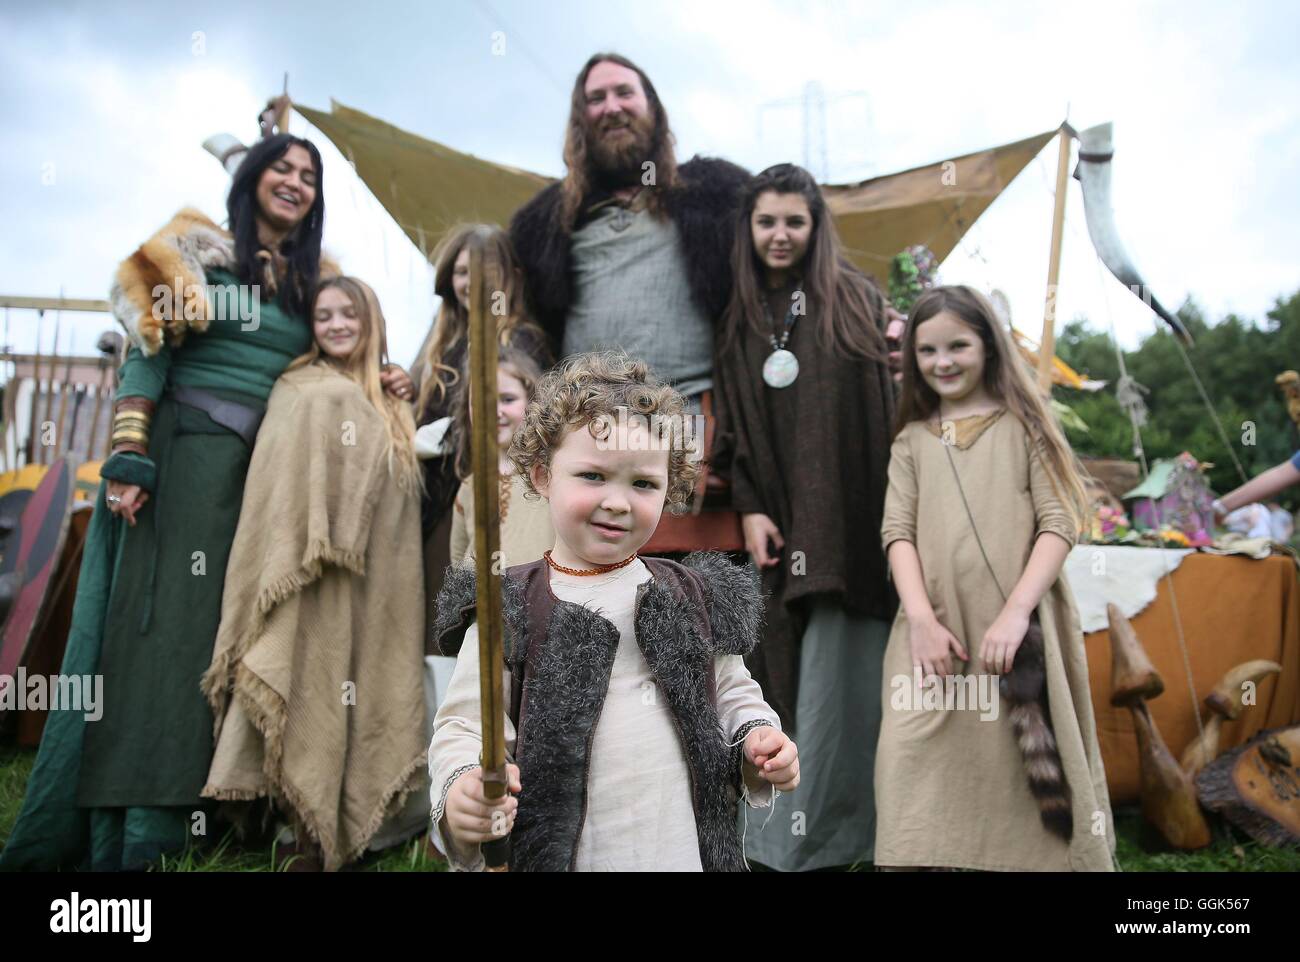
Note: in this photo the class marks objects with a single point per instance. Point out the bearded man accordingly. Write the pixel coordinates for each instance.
(631, 251)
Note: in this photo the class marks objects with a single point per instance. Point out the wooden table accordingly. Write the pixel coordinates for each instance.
(1233, 609)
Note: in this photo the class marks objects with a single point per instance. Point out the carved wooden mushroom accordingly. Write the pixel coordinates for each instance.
(1167, 795)
(1132, 678)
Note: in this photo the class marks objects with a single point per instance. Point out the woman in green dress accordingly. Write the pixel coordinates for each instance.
(214, 316)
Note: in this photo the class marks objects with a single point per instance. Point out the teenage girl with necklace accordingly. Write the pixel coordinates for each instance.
(807, 409)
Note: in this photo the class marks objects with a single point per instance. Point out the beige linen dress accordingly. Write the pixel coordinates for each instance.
(951, 788)
(526, 531)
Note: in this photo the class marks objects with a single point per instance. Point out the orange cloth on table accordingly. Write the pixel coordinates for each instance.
(1232, 610)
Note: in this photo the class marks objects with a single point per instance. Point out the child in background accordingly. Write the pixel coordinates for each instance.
(633, 722)
(525, 523)
(983, 506)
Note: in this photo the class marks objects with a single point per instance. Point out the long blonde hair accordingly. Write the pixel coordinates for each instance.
(363, 366)
(501, 273)
(1006, 378)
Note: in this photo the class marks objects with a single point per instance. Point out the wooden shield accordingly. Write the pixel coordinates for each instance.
(33, 553)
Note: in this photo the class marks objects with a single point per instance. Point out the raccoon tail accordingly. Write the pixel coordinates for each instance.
(1025, 689)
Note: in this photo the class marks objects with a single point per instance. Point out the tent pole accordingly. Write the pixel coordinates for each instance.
(1047, 343)
(282, 120)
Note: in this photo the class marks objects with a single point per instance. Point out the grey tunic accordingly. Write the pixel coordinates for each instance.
(631, 292)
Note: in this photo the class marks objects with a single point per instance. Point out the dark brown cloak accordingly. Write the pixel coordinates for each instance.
(813, 458)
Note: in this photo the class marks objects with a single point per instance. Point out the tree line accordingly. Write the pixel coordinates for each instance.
(1237, 361)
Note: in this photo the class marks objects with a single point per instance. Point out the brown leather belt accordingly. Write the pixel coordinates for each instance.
(236, 417)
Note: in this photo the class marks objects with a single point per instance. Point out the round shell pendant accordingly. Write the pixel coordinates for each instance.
(780, 369)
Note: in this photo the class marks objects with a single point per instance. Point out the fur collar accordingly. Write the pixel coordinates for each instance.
(702, 205)
(177, 259)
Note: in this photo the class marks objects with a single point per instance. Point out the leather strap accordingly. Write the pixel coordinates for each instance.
(232, 415)
(706, 450)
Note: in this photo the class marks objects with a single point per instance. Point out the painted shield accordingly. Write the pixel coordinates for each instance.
(32, 555)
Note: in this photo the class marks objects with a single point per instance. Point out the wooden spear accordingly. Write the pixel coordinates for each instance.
(100, 389)
(484, 460)
(64, 388)
(47, 391)
(34, 410)
(10, 412)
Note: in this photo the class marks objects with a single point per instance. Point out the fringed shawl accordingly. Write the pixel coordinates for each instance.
(316, 677)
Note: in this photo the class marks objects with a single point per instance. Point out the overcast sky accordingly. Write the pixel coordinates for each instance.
(103, 107)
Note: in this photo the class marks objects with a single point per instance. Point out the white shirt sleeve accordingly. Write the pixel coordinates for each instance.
(457, 746)
(740, 701)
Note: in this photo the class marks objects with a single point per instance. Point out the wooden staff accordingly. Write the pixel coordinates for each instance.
(487, 544)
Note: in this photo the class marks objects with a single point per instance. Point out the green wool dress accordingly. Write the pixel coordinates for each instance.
(118, 792)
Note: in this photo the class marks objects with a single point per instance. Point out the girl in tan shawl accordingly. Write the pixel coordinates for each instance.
(991, 763)
(316, 678)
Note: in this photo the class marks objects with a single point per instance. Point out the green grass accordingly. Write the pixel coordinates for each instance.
(15, 766)
(1231, 850)
(227, 854)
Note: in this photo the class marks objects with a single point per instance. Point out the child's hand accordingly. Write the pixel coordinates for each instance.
(471, 818)
(931, 645)
(774, 756)
(1002, 640)
(759, 529)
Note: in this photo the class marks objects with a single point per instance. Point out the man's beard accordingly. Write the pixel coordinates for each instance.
(613, 163)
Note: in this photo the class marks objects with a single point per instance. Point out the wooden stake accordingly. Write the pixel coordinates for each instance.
(1047, 343)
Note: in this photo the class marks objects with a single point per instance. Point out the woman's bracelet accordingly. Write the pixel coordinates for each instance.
(131, 419)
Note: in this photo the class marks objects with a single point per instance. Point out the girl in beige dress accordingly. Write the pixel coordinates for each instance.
(988, 756)
(525, 523)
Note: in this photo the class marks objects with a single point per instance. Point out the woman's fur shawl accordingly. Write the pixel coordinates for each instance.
(160, 291)
(702, 205)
